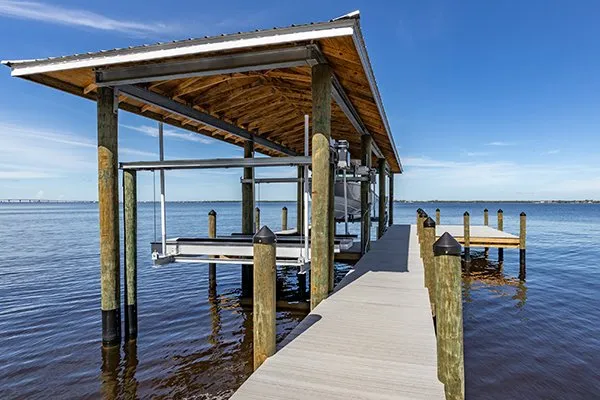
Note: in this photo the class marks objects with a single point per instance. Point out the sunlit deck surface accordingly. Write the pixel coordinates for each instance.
(481, 236)
(373, 338)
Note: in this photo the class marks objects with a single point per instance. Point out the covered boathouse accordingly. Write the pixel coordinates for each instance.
(264, 91)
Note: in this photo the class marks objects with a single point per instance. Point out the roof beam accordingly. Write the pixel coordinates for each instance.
(206, 66)
(185, 111)
(217, 163)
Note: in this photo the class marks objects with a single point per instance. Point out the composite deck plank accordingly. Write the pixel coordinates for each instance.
(373, 338)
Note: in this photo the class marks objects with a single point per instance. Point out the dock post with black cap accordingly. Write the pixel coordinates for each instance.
(212, 267)
(467, 240)
(264, 295)
(449, 316)
(257, 219)
(437, 216)
(130, 252)
(522, 237)
(428, 264)
(500, 228)
(486, 222)
(284, 218)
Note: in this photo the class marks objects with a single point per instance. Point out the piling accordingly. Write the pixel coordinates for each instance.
(108, 207)
(331, 214)
(391, 201)
(437, 216)
(428, 263)
(284, 218)
(257, 219)
(486, 222)
(130, 252)
(247, 216)
(300, 202)
(449, 317)
(321, 183)
(467, 239)
(522, 247)
(212, 267)
(381, 226)
(365, 205)
(500, 228)
(264, 295)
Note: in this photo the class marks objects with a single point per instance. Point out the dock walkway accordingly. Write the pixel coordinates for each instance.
(373, 338)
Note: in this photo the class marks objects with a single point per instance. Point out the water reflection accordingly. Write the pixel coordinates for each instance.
(113, 386)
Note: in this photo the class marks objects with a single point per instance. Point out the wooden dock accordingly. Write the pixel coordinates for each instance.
(481, 236)
(373, 338)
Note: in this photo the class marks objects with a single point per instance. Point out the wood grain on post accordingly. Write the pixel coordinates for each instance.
(437, 216)
(247, 217)
(486, 222)
(428, 263)
(108, 207)
(500, 228)
(284, 218)
(264, 303)
(449, 316)
(321, 186)
(522, 246)
(391, 201)
(130, 252)
(365, 204)
(467, 239)
(257, 219)
(381, 226)
(212, 267)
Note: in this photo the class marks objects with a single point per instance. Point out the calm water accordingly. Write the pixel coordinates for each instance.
(538, 340)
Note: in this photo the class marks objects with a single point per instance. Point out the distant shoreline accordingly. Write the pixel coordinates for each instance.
(35, 201)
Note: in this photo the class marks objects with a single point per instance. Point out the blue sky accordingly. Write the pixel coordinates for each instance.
(486, 100)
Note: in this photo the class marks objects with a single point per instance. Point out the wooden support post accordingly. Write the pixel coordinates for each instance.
(257, 219)
(467, 239)
(428, 264)
(264, 296)
(500, 228)
(418, 223)
(486, 222)
(331, 214)
(391, 201)
(284, 218)
(212, 267)
(108, 206)
(437, 216)
(300, 202)
(381, 226)
(321, 183)
(130, 252)
(365, 204)
(449, 316)
(247, 217)
(522, 247)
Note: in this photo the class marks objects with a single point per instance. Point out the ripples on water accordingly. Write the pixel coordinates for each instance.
(538, 340)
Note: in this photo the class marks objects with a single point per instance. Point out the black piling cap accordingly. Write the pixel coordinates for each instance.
(429, 223)
(212, 213)
(419, 210)
(257, 209)
(500, 211)
(485, 210)
(466, 214)
(284, 208)
(446, 246)
(523, 214)
(437, 210)
(264, 236)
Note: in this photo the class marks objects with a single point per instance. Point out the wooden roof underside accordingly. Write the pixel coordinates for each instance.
(270, 103)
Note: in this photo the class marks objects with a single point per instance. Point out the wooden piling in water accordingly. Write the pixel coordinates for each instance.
(130, 252)
(247, 217)
(486, 222)
(500, 228)
(381, 226)
(467, 240)
(522, 246)
(257, 219)
(391, 201)
(108, 207)
(321, 184)
(437, 216)
(284, 218)
(212, 267)
(365, 205)
(428, 262)
(449, 317)
(264, 303)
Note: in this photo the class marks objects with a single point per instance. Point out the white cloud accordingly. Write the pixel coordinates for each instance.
(37, 11)
(500, 143)
(153, 132)
(555, 151)
(476, 153)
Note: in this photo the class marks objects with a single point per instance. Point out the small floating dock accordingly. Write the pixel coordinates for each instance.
(481, 236)
(372, 338)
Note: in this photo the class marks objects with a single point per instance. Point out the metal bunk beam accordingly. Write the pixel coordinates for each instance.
(172, 106)
(216, 163)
